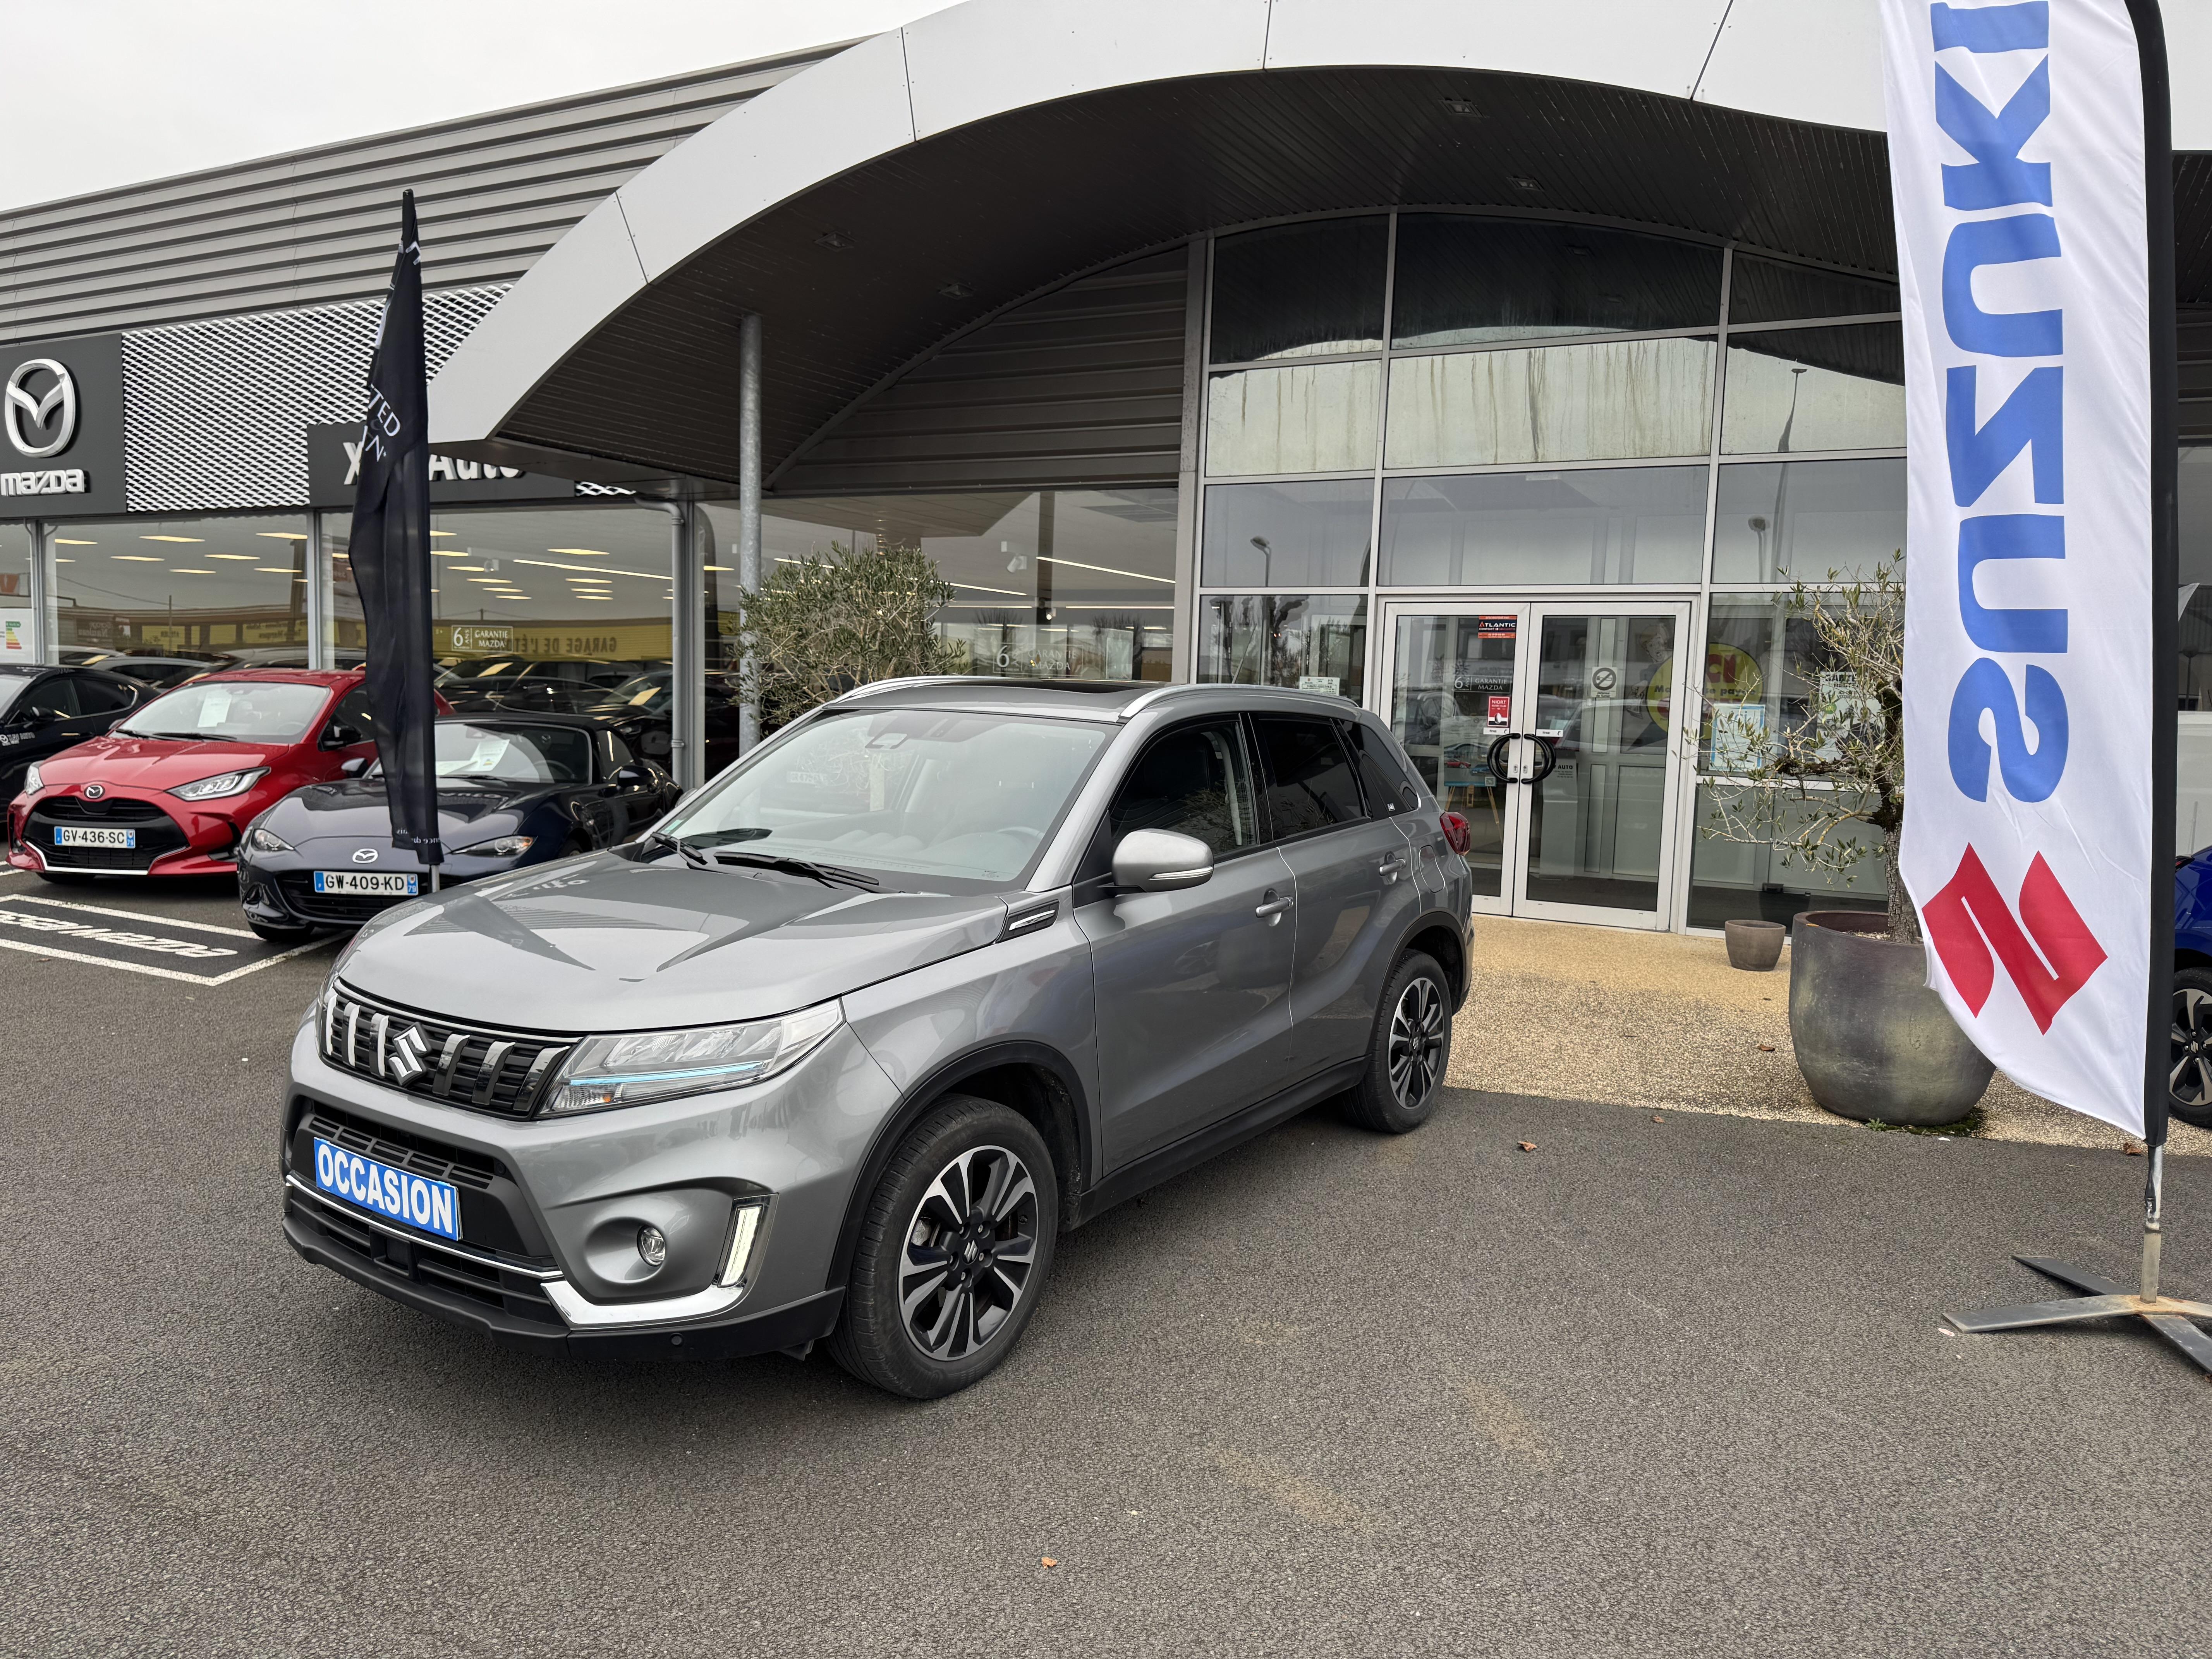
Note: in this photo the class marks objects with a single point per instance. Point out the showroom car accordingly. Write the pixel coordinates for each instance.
(44, 711)
(171, 789)
(840, 1046)
(512, 791)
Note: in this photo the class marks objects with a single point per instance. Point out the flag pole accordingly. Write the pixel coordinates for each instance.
(2169, 1316)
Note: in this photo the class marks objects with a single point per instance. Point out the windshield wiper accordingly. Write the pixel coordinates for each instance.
(185, 736)
(826, 874)
(696, 859)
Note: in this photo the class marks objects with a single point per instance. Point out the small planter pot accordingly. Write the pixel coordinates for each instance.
(1873, 1041)
(1755, 946)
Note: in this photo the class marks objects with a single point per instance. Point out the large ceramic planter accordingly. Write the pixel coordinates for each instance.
(1873, 1041)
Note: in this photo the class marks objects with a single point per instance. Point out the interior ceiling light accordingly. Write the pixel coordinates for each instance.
(469, 567)
(282, 535)
(449, 553)
(137, 558)
(280, 570)
(720, 567)
(588, 552)
(246, 557)
(66, 541)
(1105, 570)
(445, 533)
(609, 598)
(185, 570)
(173, 538)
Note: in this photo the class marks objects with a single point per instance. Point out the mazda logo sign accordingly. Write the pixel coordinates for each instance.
(40, 419)
(95, 791)
(365, 855)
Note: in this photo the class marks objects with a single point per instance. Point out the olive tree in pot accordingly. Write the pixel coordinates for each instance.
(820, 626)
(1873, 1041)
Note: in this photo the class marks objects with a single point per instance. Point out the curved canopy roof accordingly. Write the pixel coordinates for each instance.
(927, 179)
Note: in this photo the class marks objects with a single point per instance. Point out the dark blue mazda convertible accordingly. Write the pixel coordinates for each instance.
(512, 790)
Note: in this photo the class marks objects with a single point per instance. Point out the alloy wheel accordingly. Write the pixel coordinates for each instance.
(1417, 1041)
(2191, 1081)
(969, 1251)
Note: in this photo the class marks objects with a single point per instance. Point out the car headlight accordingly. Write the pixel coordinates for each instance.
(624, 1071)
(259, 839)
(224, 783)
(499, 846)
(33, 780)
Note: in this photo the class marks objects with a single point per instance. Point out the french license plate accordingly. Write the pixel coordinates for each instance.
(433, 1206)
(366, 881)
(65, 835)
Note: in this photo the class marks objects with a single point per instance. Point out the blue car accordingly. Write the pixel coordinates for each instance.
(2192, 1100)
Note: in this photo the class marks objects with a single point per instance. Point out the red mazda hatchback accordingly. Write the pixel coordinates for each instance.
(169, 791)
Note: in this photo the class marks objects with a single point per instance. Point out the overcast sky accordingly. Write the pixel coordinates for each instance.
(113, 92)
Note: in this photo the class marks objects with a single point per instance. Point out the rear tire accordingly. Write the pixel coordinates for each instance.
(1410, 1051)
(955, 1248)
(2189, 1097)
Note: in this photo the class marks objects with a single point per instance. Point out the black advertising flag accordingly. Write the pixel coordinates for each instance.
(391, 553)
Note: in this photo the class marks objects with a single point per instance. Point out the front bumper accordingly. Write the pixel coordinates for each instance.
(278, 890)
(173, 839)
(540, 1198)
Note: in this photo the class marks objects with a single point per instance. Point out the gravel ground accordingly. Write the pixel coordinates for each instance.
(1660, 1019)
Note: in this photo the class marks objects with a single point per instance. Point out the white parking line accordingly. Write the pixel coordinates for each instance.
(68, 929)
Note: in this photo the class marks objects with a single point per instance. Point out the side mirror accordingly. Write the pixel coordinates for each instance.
(1161, 861)
(354, 765)
(341, 736)
(632, 774)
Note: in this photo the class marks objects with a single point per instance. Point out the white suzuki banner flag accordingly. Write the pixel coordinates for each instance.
(2016, 154)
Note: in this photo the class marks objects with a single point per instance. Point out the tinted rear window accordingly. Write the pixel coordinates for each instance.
(1382, 775)
(1309, 779)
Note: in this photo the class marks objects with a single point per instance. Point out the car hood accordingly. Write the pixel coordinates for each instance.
(356, 809)
(604, 944)
(153, 762)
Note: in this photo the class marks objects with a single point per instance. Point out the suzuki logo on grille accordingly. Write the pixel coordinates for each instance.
(366, 855)
(95, 791)
(407, 1056)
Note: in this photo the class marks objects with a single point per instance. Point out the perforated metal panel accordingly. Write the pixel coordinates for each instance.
(217, 411)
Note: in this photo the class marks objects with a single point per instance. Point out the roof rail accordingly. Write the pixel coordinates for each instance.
(874, 686)
(1137, 705)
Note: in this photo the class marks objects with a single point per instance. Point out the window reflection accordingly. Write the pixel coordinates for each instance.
(1816, 388)
(1317, 643)
(1299, 290)
(223, 591)
(1581, 403)
(16, 631)
(1755, 881)
(1056, 584)
(1799, 520)
(1287, 535)
(1766, 291)
(1318, 417)
(1463, 280)
(1626, 524)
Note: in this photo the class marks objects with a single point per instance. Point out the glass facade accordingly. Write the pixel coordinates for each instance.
(18, 631)
(220, 590)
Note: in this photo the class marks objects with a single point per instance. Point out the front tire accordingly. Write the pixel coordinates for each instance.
(1410, 1051)
(955, 1248)
(2189, 1089)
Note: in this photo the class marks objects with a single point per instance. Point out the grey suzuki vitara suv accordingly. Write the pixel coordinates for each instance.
(839, 1048)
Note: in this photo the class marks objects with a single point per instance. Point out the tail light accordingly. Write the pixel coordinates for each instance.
(1459, 834)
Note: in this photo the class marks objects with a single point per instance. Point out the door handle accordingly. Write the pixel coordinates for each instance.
(1273, 908)
(1393, 866)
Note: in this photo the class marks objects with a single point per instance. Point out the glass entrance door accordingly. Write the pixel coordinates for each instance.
(1548, 725)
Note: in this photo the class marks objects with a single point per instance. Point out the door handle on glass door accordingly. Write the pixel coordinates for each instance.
(1274, 908)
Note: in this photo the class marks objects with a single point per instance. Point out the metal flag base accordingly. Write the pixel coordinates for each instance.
(2168, 1315)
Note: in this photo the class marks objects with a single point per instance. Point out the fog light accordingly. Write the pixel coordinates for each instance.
(652, 1245)
(743, 1237)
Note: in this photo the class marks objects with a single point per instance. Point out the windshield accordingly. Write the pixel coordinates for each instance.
(255, 711)
(907, 791)
(540, 754)
(11, 687)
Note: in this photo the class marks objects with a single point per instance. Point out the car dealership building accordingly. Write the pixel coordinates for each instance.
(1481, 364)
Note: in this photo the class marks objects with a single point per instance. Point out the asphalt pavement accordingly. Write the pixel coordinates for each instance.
(1654, 1387)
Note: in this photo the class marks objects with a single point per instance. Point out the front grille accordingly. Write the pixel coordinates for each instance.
(485, 1071)
(158, 833)
(301, 897)
(515, 1294)
(404, 1151)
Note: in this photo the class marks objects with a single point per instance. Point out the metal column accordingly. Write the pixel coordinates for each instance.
(318, 594)
(44, 646)
(748, 514)
(687, 755)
